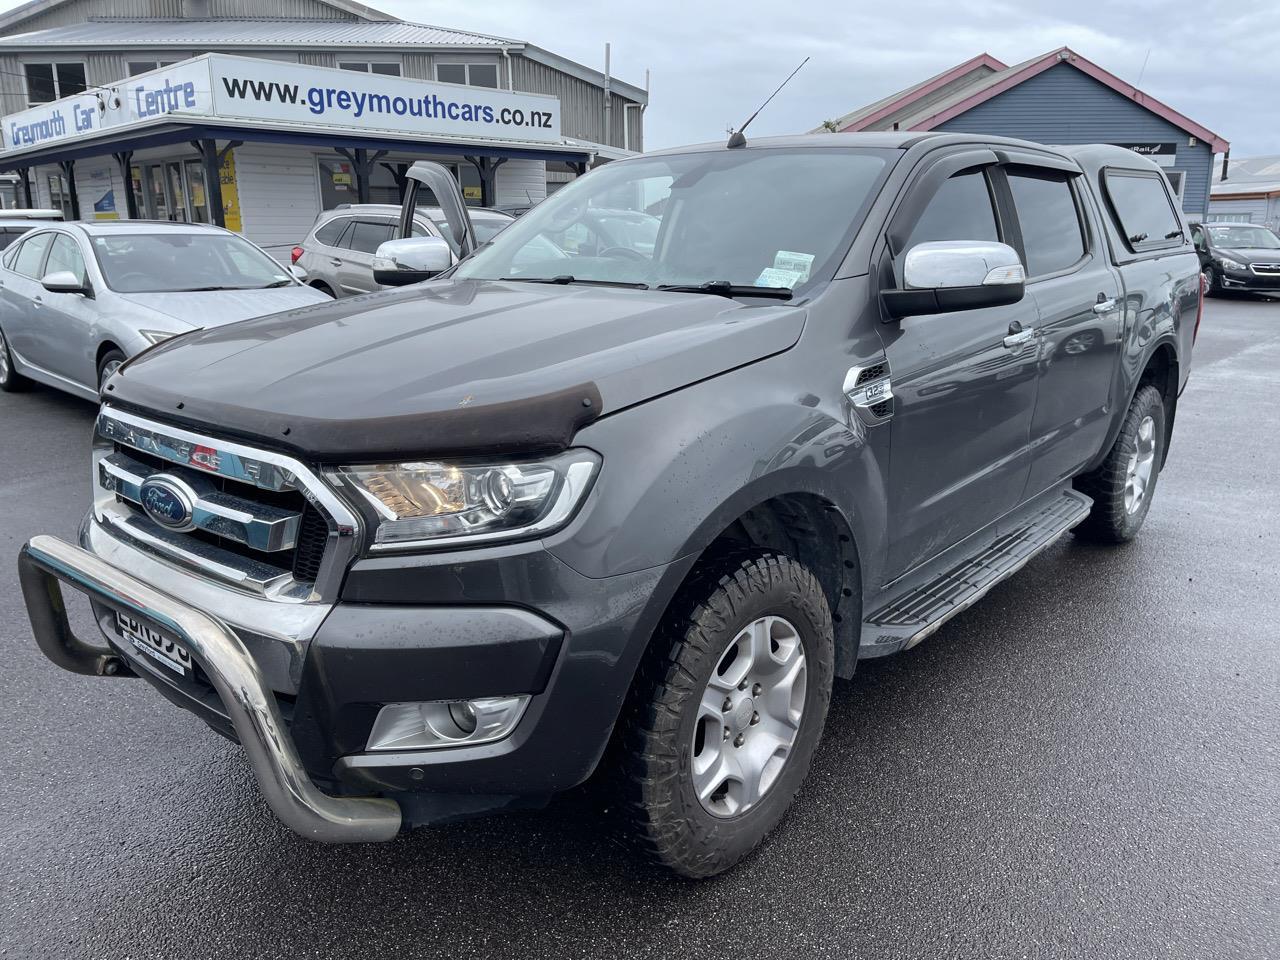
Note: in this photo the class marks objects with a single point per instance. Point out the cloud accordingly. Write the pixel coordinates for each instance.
(712, 62)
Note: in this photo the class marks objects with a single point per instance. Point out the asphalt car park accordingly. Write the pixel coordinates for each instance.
(1083, 765)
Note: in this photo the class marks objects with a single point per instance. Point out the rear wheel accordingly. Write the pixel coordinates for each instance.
(10, 380)
(325, 288)
(1122, 487)
(108, 365)
(727, 712)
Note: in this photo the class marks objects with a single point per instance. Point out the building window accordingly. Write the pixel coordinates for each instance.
(384, 67)
(146, 66)
(473, 74)
(53, 81)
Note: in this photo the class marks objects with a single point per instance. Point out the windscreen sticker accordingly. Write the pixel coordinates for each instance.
(801, 263)
(773, 277)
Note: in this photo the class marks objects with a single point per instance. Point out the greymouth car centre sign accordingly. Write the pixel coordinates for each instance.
(218, 86)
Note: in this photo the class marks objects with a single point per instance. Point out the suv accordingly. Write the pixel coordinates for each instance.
(563, 510)
(1238, 256)
(338, 252)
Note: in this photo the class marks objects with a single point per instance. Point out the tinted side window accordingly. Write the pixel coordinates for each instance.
(1142, 210)
(368, 235)
(960, 210)
(65, 255)
(1197, 237)
(1050, 222)
(331, 231)
(31, 255)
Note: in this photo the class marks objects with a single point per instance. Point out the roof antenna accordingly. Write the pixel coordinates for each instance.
(737, 139)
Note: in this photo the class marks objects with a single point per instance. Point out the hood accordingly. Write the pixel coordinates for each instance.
(210, 308)
(1250, 254)
(452, 367)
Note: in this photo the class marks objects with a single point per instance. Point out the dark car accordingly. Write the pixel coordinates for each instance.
(1238, 256)
(637, 500)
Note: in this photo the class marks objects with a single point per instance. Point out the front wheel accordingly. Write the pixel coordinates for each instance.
(1212, 284)
(728, 711)
(107, 366)
(1122, 487)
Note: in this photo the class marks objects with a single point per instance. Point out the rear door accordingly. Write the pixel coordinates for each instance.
(964, 385)
(362, 242)
(1077, 296)
(23, 299)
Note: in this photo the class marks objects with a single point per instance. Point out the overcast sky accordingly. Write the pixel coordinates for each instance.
(712, 62)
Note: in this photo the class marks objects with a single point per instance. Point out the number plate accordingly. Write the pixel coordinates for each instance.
(155, 644)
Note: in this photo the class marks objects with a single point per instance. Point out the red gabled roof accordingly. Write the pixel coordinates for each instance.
(997, 78)
(865, 117)
(998, 83)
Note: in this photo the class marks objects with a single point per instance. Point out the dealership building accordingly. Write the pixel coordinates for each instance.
(1058, 97)
(258, 114)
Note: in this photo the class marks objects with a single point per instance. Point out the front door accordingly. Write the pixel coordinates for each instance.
(68, 317)
(177, 192)
(1077, 295)
(964, 384)
(22, 298)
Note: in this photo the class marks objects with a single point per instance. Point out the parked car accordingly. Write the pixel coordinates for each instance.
(338, 253)
(11, 228)
(558, 496)
(78, 299)
(1238, 256)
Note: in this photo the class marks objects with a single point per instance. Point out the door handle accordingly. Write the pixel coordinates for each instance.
(335, 262)
(1020, 338)
(1105, 306)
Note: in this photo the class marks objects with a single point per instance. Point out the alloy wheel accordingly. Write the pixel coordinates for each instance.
(749, 716)
(1141, 466)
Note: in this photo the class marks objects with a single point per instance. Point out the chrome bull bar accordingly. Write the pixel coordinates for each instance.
(45, 562)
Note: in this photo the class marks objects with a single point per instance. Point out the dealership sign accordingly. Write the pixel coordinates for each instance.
(1165, 154)
(221, 87)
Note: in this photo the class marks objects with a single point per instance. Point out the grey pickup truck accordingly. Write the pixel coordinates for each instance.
(451, 547)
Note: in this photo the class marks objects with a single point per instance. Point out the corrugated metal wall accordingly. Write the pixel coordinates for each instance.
(1064, 105)
(80, 10)
(13, 95)
(581, 103)
(521, 181)
(318, 58)
(1255, 210)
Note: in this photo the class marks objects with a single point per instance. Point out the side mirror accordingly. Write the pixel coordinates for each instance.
(946, 275)
(64, 281)
(411, 260)
(297, 273)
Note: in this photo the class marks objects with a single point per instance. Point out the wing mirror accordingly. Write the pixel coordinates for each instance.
(411, 260)
(946, 275)
(64, 281)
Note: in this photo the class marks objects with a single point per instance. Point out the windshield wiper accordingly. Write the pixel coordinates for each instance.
(723, 288)
(206, 289)
(566, 278)
(268, 286)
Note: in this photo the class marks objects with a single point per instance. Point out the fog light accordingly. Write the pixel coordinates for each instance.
(445, 723)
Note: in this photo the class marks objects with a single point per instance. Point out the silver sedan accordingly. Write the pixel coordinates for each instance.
(78, 299)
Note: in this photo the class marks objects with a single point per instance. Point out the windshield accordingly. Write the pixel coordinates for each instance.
(486, 229)
(776, 218)
(173, 262)
(1238, 235)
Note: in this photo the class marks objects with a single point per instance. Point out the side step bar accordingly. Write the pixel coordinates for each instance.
(919, 608)
(46, 561)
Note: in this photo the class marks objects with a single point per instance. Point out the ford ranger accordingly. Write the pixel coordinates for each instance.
(449, 547)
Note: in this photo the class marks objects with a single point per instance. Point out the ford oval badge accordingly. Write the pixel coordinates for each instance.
(168, 501)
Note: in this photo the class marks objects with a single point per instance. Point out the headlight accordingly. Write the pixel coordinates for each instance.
(431, 504)
(1230, 264)
(155, 336)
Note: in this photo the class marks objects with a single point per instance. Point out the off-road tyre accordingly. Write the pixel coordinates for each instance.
(663, 815)
(1110, 520)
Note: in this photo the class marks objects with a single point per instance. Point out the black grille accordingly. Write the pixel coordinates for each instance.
(882, 409)
(872, 373)
(313, 535)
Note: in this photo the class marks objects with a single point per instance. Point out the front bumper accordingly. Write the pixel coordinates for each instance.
(1249, 281)
(46, 562)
